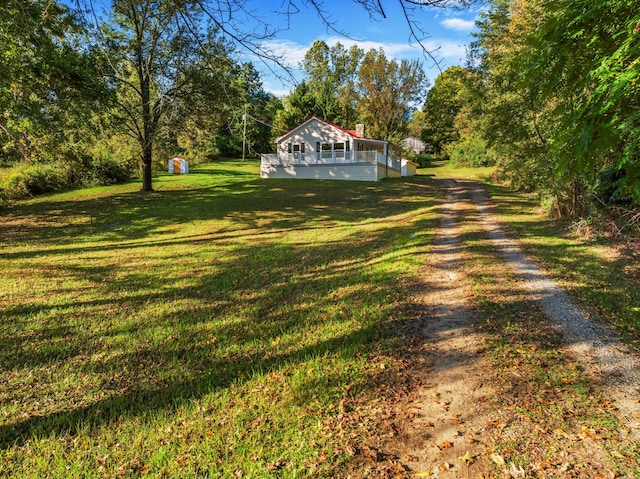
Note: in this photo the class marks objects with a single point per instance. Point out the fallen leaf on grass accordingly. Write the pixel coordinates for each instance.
(445, 445)
(276, 465)
(467, 458)
(516, 471)
(617, 455)
(585, 432)
(560, 432)
(423, 474)
(497, 458)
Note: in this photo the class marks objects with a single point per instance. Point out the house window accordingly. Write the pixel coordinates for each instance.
(338, 146)
(296, 148)
(327, 153)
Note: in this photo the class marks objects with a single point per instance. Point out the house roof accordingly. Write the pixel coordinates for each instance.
(351, 133)
(348, 132)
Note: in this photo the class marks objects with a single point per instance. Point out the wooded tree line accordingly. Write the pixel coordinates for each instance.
(85, 103)
(551, 94)
(87, 96)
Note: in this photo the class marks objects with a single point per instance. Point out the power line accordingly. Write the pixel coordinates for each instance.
(260, 121)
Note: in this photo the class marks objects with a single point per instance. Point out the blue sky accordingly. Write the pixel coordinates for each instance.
(449, 33)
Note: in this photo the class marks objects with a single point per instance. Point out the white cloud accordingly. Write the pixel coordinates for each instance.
(392, 49)
(447, 51)
(291, 52)
(458, 24)
(278, 92)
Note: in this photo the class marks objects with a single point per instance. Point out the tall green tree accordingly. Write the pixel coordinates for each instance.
(332, 74)
(444, 103)
(561, 97)
(299, 105)
(149, 47)
(517, 120)
(260, 108)
(585, 56)
(389, 90)
(48, 85)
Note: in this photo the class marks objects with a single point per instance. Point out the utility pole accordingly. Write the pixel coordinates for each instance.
(244, 131)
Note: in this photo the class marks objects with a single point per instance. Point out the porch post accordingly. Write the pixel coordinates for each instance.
(386, 159)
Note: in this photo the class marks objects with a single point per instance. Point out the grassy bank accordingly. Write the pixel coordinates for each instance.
(603, 276)
(216, 327)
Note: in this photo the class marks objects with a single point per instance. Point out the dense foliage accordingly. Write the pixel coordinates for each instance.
(551, 95)
(90, 103)
(353, 86)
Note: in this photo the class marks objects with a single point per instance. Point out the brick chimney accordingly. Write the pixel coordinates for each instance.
(360, 130)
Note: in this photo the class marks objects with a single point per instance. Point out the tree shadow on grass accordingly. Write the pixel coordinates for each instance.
(136, 215)
(144, 398)
(268, 301)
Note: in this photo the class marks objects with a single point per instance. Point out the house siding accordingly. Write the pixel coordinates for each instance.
(384, 172)
(352, 172)
(409, 168)
(300, 154)
(415, 144)
(310, 133)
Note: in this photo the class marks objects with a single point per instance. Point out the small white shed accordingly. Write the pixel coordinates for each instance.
(178, 165)
(408, 167)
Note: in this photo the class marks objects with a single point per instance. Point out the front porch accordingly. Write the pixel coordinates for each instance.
(332, 164)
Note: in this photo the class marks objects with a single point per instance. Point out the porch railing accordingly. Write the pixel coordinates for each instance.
(330, 158)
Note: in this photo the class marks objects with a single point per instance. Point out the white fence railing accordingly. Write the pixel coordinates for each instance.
(327, 158)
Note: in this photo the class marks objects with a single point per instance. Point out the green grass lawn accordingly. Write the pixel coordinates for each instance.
(443, 169)
(212, 328)
(222, 325)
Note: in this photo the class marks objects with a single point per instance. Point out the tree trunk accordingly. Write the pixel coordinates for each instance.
(147, 170)
(147, 125)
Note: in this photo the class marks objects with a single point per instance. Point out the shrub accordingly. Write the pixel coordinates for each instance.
(471, 151)
(609, 187)
(107, 171)
(423, 159)
(35, 179)
(38, 178)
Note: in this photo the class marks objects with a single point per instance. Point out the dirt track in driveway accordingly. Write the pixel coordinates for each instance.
(469, 419)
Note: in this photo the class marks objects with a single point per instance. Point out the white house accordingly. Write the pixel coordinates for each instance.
(415, 144)
(318, 149)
